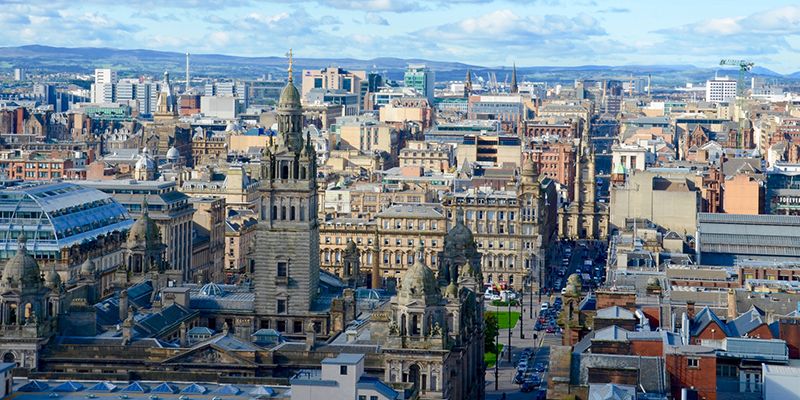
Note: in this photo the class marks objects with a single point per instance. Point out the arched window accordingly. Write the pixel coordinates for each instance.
(274, 212)
(291, 213)
(284, 171)
(283, 213)
(303, 173)
(302, 213)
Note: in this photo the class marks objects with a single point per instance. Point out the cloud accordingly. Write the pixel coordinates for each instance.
(760, 34)
(614, 10)
(372, 18)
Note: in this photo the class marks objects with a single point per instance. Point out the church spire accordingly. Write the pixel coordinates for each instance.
(468, 84)
(514, 88)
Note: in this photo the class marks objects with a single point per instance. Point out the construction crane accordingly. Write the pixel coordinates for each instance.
(744, 67)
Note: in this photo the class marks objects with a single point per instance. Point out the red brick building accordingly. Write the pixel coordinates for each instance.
(692, 367)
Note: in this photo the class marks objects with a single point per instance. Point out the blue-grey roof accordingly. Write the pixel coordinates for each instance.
(194, 388)
(372, 383)
(7, 366)
(703, 319)
(614, 312)
(103, 387)
(612, 333)
(755, 349)
(136, 387)
(746, 322)
(200, 330)
(611, 391)
(68, 386)
(349, 359)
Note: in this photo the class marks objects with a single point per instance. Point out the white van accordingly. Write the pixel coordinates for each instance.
(545, 306)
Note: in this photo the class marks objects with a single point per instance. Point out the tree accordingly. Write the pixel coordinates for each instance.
(491, 328)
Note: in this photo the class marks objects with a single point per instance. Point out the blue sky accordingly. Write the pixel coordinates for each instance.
(483, 32)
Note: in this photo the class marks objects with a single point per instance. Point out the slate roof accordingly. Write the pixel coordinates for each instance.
(614, 312)
(612, 333)
(746, 322)
(703, 318)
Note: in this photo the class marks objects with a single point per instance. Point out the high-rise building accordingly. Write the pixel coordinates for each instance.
(420, 77)
(19, 74)
(720, 90)
(334, 78)
(103, 87)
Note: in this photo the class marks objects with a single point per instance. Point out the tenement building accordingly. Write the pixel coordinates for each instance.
(512, 228)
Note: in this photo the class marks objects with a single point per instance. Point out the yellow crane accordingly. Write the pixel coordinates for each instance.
(744, 67)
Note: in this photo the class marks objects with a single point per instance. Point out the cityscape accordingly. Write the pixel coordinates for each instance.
(399, 200)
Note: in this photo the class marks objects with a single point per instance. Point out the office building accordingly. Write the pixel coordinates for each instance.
(104, 85)
(720, 90)
(335, 78)
(19, 74)
(421, 78)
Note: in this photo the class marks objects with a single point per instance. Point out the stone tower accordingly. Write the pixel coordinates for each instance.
(286, 272)
(351, 264)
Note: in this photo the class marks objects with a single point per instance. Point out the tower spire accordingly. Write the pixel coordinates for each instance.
(468, 84)
(514, 88)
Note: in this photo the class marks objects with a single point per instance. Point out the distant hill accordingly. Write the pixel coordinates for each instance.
(134, 62)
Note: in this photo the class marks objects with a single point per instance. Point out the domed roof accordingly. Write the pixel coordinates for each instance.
(529, 169)
(419, 281)
(173, 153)
(145, 161)
(22, 270)
(459, 235)
(290, 97)
(52, 279)
(88, 267)
(351, 247)
(212, 290)
(144, 230)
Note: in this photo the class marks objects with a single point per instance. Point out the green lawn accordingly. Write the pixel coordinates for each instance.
(503, 320)
(488, 358)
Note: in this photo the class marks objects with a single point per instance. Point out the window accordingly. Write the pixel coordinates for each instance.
(298, 326)
(283, 269)
(373, 397)
(362, 397)
(693, 362)
(281, 306)
(343, 370)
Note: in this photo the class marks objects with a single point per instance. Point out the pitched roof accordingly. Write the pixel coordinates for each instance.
(612, 333)
(703, 319)
(614, 312)
(746, 322)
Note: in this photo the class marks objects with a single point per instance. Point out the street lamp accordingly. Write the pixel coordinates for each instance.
(496, 353)
(508, 317)
(521, 314)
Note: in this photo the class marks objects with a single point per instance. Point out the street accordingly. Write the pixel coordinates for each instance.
(538, 341)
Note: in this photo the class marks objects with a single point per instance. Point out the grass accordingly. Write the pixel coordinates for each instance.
(503, 320)
(489, 358)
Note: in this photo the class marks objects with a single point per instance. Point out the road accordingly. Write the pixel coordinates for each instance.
(541, 345)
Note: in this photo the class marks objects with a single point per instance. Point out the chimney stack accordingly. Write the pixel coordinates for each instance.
(690, 309)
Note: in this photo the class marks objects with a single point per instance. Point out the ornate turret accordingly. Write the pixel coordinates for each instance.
(459, 249)
(144, 231)
(419, 283)
(88, 268)
(529, 173)
(53, 280)
(22, 270)
(290, 113)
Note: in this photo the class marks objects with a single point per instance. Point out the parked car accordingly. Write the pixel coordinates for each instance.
(528, 386)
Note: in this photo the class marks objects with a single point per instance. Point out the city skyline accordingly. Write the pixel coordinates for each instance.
(479, 32)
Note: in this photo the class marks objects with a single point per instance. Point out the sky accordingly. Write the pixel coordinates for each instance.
(480, 32)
